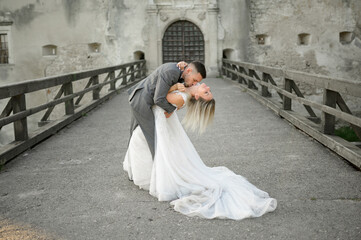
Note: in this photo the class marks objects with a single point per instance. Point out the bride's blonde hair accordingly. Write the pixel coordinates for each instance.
(200, 114)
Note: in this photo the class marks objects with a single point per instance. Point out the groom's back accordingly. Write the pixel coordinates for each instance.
(167, 74)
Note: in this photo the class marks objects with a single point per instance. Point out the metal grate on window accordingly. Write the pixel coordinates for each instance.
(183, 41)
(4, 49)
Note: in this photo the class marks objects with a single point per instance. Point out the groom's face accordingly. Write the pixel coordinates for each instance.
(191, 77)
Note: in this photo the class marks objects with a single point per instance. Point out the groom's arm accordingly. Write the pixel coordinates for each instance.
(164, 83)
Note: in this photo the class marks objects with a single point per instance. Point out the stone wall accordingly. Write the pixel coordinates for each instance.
(122, 27)
(277, 25)
(70, 25)
(234, 29)
(283, 20)
(119, 27)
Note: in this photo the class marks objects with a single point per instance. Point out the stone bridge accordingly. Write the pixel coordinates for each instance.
(72, 185)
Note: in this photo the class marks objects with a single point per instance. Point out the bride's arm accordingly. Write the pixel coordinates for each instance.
(175, 99)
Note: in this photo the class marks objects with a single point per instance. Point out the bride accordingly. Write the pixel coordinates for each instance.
(178, 174)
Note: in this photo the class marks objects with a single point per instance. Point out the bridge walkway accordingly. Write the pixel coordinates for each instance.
(72, 186)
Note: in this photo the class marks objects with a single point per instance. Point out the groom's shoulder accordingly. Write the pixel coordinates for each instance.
(170, 68)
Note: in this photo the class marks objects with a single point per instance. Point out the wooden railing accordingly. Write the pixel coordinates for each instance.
(255, 77)
(66, 96)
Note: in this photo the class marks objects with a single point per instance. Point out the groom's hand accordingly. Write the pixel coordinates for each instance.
(167, 115)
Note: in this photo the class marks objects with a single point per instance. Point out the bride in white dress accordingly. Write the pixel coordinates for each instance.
(178, 174)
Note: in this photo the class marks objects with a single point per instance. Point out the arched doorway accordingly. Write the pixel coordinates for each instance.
(183, 41)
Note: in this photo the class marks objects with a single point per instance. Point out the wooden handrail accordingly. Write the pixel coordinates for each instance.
(335, 112)
(348, 87)
(28, 86)
(321, 126)
(129, 73)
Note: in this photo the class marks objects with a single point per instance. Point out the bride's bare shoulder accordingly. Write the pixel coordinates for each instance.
(175, 98)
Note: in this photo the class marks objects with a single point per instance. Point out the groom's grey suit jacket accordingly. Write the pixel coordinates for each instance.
(151, 91)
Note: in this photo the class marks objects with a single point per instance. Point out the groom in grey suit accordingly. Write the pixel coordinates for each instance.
(153, 90)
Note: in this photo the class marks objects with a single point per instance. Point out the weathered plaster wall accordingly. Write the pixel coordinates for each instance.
(283, 20)
(70, 25)
(120, 26)
(233, 27)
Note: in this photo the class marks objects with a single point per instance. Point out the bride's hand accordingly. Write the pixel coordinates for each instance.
(181, 87)
(182, 65)
(178, 86)
(167, 115)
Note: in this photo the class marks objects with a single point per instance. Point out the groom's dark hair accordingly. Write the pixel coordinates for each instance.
(200, 68)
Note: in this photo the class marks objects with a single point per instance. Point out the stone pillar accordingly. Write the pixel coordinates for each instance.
(212, 49)
(152, 31)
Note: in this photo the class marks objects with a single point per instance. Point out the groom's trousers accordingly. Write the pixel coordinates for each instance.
(147, 125)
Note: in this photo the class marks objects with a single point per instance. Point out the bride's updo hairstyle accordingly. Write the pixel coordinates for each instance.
(200, 114)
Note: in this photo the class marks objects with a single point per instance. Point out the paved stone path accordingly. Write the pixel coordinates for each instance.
(72, 185)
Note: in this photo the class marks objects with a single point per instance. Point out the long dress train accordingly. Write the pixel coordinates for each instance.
(178, 174)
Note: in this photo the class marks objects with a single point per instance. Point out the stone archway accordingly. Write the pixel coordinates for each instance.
(183, 41)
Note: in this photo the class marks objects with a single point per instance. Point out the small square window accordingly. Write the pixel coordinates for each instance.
(49, 50)
(304, 39)
(346, 37)
(263, 39)
(94, 47)
(4, 49)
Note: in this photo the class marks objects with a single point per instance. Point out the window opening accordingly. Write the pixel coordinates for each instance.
(138, 55)
(94, 47)
(4, 49)
(304, 39)
(263, 39)
(345, 37)
(49, 50)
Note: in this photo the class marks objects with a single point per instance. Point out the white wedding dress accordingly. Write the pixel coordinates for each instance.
(179, 175)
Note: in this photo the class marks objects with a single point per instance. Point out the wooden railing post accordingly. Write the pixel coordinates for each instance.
(112, 84)
(234, 68)
(252, 73)
(139, 73)
(265, 92)
(96, 91)
(328, 120)
(228, 73)
(131, 70)
(243, 71)
(249, 82)
(239, 78)
(223, 66)
(20, 126)
(124, 72)
(144, 69)
(287, 102)
(69, 104)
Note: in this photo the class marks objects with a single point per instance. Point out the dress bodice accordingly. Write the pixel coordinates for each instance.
(184, 95)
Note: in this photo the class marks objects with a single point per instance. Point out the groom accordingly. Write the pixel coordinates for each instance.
(153, 90)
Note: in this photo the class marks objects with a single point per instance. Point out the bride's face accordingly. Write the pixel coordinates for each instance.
(204, 92)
